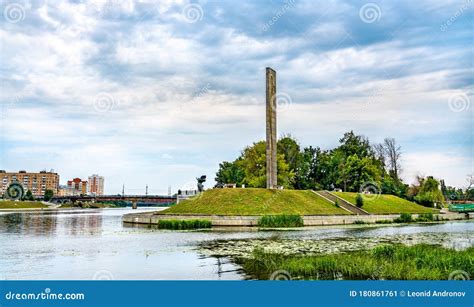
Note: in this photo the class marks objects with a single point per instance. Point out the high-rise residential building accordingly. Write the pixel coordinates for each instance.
(77, 186)
(96, 185)
(37, 183)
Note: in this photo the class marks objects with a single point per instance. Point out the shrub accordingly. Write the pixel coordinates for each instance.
(184, 224)
(281, 221)
(359, 201)
(336, 203)
(425, 217)
(383, 222)
(404, 218)
(359, 222)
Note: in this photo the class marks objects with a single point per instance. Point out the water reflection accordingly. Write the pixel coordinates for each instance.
(51, 223)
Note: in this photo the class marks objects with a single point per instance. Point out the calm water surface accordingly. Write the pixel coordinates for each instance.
(94, 244)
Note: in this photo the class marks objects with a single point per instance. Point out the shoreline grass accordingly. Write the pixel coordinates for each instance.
(184, 224)
(393, 262)
(280, 221)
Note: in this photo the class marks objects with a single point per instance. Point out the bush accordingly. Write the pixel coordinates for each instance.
(359, 201)
(184, 224)
(281, 221)
(404, 218)
(336, 203)
(425, 217)
(383, 222)
(359, 222)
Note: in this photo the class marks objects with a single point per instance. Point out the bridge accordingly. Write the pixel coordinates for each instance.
(144, 200)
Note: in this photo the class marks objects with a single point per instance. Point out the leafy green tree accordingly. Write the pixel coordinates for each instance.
(289, 147)
(352, 144)
(253, 163)
(230, 172)
(429, 193)
(355, 172)
(389, 185)
(453, 193)
(29, 195)
(305, 176)
(48, 195)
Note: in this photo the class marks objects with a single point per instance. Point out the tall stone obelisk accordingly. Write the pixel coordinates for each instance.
(271, 109)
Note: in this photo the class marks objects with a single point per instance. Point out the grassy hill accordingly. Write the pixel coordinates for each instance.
(251, 201)
(385, 204)
(8, 204)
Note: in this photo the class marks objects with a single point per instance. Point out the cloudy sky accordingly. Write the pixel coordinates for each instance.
(160, 92)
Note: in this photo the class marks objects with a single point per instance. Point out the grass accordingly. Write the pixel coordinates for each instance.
(184, 224)
(385, 204)
(395, 262)
(278, 221)
(250, 201)
(9, 204)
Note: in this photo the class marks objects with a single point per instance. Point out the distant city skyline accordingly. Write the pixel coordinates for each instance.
(160, 93)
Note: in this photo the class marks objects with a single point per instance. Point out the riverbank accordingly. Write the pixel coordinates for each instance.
(21, 205)
(153, 218)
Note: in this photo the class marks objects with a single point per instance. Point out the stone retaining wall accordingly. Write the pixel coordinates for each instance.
(309, 220)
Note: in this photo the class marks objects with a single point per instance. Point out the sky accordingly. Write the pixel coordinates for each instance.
(158, 93)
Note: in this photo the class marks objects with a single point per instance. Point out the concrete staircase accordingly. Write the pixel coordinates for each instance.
(342, 202)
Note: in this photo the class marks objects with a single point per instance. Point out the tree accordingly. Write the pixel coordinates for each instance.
(379, 152)
(48, 195)
(253, 162)
(393, 154)
(355, 144)
(230, 172)
(355, 172)
(29, 195)
(394, 187)
(429, 193)
(289, 147)
(306, 174)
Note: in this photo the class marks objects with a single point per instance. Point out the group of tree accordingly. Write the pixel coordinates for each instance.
(48, 195)
(350, 166)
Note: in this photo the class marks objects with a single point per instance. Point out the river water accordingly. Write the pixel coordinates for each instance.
(95, 244)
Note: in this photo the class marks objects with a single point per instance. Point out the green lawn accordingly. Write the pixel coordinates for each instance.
(251, 201)
(385, 204)
(8, 204)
